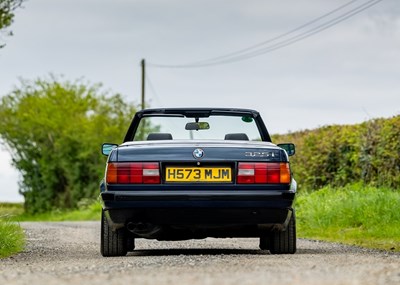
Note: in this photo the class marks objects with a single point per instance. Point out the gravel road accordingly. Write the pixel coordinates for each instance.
(68, 253)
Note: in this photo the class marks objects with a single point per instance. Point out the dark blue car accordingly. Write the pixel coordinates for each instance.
(195, 173)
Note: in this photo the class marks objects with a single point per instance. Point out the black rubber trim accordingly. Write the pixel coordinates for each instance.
(190, 196)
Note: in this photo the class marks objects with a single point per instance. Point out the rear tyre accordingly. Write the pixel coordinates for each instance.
(112, 243)
(264, 242)
(130, 242)
(284, 241)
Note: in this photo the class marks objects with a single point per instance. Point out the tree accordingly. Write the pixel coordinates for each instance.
(7, 8)
(54, 131)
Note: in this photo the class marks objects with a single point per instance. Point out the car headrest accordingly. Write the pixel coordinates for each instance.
(159, 136)
(237, 137)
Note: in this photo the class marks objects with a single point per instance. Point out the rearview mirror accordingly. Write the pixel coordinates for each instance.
(197, 126)
(106, 148)
(289, 147)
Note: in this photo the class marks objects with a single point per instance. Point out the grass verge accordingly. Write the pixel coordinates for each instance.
(12, 238)
(88, 211)
(356, 215)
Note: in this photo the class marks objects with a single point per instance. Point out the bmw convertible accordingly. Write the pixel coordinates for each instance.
(193, 173)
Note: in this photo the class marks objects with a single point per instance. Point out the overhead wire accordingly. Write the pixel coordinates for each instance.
(277, 37)
(294, 39)
(260, 49)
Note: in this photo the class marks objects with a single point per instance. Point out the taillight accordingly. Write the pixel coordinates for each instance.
(263, 173)
(133, 173)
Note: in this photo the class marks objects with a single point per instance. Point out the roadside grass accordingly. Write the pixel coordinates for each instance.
(11, 209)
(89, 210)
(12, 238)
(355, 214)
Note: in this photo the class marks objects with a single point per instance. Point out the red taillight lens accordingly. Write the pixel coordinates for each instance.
(260, 173)
(274, 175)
(133, 173)
(136, 173)
(263, 173)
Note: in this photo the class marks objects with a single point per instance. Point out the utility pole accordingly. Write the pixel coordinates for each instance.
(143, 63)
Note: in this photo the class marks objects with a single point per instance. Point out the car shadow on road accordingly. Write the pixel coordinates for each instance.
(195, 251)
(211, 251)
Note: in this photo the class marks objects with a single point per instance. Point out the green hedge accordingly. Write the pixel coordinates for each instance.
(342, 154)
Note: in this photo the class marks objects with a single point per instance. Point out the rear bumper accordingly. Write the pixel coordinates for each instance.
(196, 208)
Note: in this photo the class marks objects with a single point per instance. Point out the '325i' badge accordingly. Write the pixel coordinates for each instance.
(198, 153)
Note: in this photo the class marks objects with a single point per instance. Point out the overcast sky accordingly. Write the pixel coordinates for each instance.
(346, 74)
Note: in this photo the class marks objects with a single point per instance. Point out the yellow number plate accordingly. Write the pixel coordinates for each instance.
(197, 174)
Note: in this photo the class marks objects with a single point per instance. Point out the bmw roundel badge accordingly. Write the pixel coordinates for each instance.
(198, 153)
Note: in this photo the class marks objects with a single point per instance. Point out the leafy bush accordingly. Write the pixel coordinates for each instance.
(339, 155)
(54, 131)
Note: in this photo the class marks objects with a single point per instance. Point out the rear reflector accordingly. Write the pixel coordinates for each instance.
(263, 173)
(133, 173)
